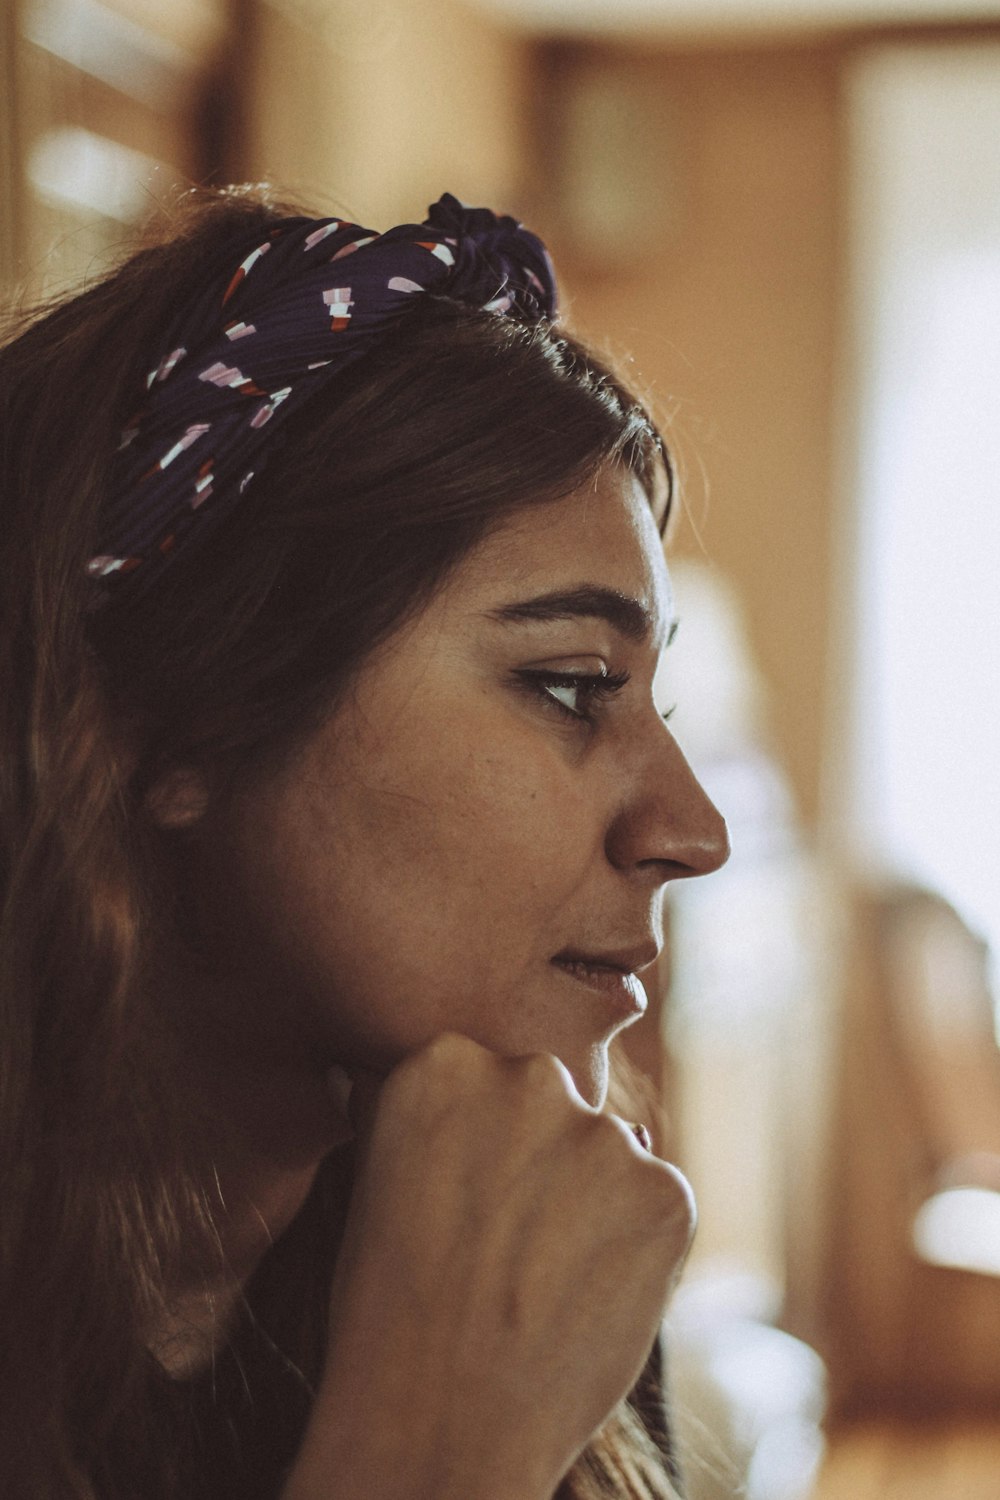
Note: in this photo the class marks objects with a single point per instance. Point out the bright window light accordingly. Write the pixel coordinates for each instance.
(926, 760)
(74, 168)
(960, 1228)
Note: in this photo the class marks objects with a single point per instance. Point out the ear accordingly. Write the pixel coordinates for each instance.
(179, 798)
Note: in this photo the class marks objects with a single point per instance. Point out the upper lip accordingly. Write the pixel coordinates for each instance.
(625, 960)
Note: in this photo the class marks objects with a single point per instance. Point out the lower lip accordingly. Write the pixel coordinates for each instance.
(623, 990)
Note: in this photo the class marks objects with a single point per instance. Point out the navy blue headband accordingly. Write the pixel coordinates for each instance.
(307, 300)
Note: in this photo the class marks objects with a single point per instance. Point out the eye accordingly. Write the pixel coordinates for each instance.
(578, 695)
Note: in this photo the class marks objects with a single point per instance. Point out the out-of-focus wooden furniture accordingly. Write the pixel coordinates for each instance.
(956, 1459)
(918, 1110)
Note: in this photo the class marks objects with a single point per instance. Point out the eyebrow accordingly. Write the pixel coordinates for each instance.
(590, 601)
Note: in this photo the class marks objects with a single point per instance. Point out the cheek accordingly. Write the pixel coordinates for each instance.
(380, 877)
(457, 837)
(383, 898)
(507, 828)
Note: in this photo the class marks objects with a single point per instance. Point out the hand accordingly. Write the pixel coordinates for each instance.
(506, 1261)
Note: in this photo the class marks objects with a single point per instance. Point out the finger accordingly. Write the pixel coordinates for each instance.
(637, 1133)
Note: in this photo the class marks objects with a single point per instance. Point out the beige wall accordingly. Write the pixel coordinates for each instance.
(374, 107)
(734, 324)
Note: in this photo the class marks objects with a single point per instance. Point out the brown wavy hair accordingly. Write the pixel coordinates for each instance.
(380, 487)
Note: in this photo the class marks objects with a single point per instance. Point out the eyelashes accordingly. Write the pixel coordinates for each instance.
(577, 695)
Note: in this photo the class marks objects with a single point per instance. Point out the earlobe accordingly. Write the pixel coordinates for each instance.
(179, 798)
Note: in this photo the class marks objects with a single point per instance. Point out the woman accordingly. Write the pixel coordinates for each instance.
(336, 819)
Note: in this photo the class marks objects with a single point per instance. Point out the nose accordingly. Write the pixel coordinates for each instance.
(667, 827)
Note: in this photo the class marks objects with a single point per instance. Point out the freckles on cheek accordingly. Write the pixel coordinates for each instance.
(469, 822)
(477, 804)
(525, 827)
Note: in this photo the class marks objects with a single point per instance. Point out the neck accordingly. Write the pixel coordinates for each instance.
(258, 1128)
(263, 1132)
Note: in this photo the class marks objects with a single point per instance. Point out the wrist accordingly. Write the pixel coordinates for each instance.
(368, 1456)
(327, 1478)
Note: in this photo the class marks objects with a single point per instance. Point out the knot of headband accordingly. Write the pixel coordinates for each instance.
(304, 302)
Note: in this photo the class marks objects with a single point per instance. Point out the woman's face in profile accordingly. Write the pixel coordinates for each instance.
(477, 838)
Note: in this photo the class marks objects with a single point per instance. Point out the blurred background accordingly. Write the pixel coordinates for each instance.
(783, 217)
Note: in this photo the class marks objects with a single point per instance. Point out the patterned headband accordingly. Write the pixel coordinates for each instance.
(304, 303)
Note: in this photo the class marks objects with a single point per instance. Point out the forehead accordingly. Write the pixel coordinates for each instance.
(602, 535)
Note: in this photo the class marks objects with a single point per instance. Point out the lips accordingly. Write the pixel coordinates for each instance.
(626, 960)
(610, 974)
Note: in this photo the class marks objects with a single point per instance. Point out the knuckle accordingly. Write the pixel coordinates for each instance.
(608, 1132)
(544, 1072)
(450, 1055)
(449, 1049)
(671, 1199)
(440, 1061)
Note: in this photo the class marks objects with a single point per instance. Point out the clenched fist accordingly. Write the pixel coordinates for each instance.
(506, 1262)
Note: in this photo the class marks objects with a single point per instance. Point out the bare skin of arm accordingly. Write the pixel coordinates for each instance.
(508, 1255)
